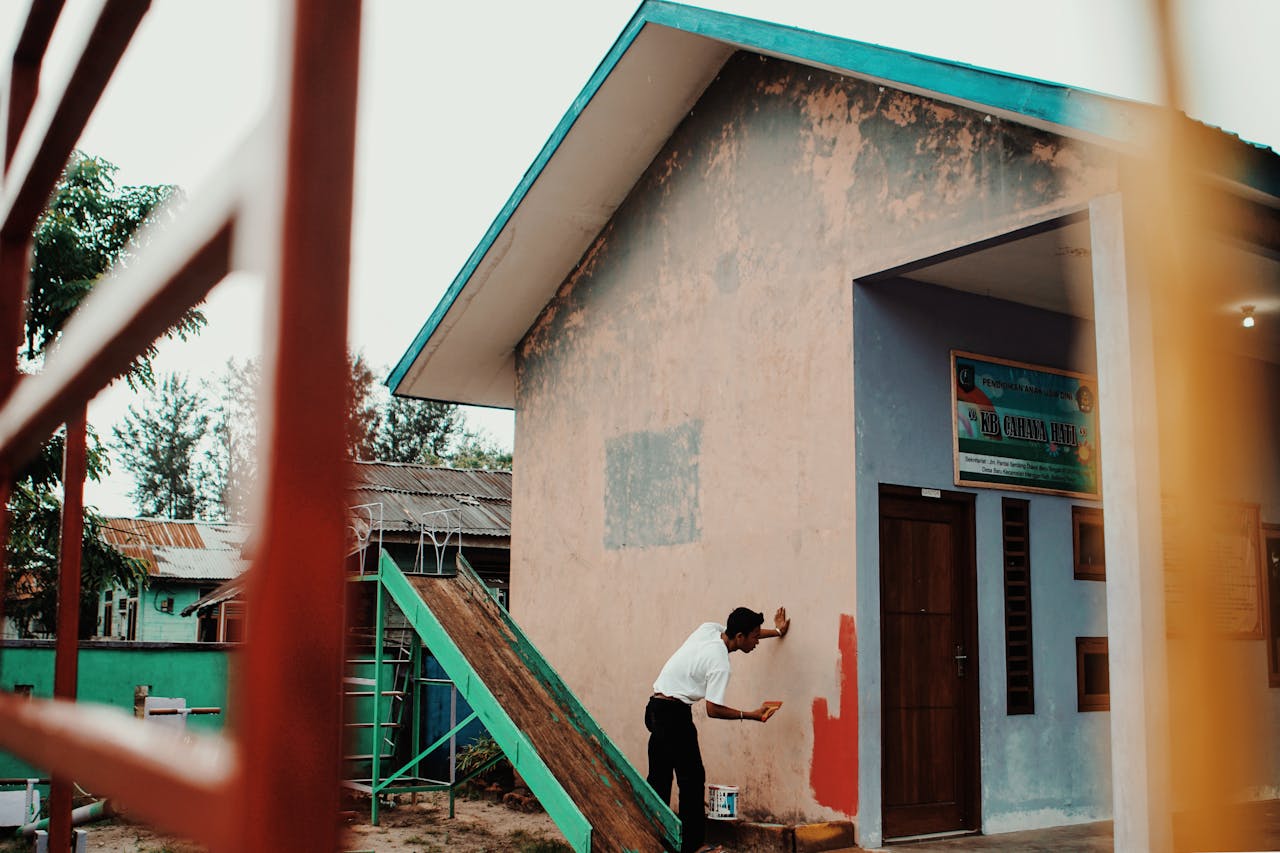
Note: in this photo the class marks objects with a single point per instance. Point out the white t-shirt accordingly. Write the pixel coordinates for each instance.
(699, 669)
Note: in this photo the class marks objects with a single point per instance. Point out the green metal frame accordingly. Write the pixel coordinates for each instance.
(392, 585)
(383, 785)
(519, 751)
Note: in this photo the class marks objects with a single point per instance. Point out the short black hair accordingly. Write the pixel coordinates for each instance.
(743, 620)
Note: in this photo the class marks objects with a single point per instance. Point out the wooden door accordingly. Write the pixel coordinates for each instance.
(929, 663)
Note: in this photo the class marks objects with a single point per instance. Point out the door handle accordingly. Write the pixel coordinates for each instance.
(961, 657)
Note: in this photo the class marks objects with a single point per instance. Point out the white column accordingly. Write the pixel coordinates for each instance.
(1131, 504)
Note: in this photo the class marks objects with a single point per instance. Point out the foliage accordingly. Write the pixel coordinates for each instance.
(362, 409)
(474, 450)
(89, 226)
(35, 533)
(232, 460)
(160, 444)
(382, 427)
(477, 754)
(218, 450)
(416, 431)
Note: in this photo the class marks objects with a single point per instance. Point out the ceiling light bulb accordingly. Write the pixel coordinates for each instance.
(1247, 311)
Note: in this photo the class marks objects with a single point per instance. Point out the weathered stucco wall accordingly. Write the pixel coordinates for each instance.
(685, 411)
(1043, 769)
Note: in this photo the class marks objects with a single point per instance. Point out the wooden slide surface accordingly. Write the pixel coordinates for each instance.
(623, 816)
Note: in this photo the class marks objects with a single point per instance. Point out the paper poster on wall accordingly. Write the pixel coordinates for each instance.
(1024, 427)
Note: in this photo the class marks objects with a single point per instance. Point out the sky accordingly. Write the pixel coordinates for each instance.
(456, 100)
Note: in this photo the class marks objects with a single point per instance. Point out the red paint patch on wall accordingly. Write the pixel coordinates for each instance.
(833, 773)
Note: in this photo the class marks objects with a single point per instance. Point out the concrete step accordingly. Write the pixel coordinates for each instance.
(748, 837)
(818, 837)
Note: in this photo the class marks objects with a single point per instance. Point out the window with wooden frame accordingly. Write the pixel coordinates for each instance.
(232, 622)
(1271, 600)
(1020, 688)
(1093, 674)
(1088, 545)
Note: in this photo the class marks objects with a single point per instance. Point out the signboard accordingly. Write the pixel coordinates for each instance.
(1234, 584)
(1019, 426)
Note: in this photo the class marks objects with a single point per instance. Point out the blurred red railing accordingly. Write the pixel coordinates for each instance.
(283, 210)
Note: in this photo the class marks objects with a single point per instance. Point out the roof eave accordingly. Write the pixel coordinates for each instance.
(1068, 111)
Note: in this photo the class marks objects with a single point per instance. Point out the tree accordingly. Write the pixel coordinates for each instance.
(382, 427)
(232, 458)
(161, 446)
(476, 450)
(417, 431)
(88, 227)
(35, 531)
(364, 412)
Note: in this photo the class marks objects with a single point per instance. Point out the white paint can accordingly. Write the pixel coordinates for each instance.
(722, 802)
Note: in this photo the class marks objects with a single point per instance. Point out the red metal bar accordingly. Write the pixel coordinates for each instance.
(37, 162)
(66, 655)
(293, 676)
(24, 79)
(13, 301)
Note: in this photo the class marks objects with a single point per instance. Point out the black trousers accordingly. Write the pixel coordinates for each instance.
(673, 749)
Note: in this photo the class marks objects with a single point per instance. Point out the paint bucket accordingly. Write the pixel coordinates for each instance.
(722, 802)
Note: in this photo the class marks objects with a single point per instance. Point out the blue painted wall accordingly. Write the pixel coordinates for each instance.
(1045, 769)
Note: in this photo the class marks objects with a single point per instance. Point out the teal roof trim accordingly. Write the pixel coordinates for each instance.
(1090, 113)
(1051, 102)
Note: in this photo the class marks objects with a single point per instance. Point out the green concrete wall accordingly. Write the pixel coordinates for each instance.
(110, 671)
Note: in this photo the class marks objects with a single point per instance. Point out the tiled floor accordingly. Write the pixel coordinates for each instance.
(1082, 838)
(1255, 827)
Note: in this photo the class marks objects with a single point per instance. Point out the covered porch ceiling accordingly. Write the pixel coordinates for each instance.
(1051, 268)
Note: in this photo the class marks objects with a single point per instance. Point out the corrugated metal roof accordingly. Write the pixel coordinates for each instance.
(186, 550)
(409, 494)
(427, 479)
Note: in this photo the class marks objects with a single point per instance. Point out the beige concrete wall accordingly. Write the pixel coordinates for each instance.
(685, 438)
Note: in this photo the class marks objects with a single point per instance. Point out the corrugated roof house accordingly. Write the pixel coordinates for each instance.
(422, 513)
(477, 503)
(180, 550)
(186, 559)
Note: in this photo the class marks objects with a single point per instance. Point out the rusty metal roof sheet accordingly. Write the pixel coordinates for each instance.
(410, 494)
(182, 550)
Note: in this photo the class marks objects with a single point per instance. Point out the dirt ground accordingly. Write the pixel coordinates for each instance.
(479, 826)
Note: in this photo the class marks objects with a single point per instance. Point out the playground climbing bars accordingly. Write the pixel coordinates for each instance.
(282, 208)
